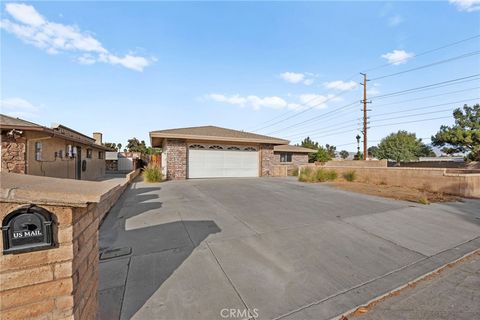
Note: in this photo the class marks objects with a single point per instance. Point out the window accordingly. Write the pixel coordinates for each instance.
(234, 148)
(216, 147)
(197, 146)
(38, 151)
(89, 153)
(100, 154)
(250, 149)
(285, 157)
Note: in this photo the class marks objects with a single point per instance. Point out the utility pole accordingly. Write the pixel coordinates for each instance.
(364, 101)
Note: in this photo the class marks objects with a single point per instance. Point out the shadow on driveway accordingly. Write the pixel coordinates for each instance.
(157, 251)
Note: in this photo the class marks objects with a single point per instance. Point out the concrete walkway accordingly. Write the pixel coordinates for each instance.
(275, 247)
(453, 294)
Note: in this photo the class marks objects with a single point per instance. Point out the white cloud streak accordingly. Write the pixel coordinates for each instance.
(298, 77)
(466, 5)
(341, 85)
(395, 20)
(18, 107)
(31, 27)
(397, 57)
(274, 102)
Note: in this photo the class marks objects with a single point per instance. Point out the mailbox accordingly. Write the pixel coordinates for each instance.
(27, 229)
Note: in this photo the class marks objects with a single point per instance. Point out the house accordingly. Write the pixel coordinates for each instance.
(211, 152)
(59, 151)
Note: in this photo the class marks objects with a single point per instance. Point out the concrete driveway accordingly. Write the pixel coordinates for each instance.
(280, 249)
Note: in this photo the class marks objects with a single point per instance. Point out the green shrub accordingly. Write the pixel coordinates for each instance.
(152, 173)
(332, 175)
(423, 200)
(350, 175)
(307, 174)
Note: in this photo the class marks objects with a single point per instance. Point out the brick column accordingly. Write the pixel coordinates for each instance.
(13, 154)
(267, 160)
(176, 151)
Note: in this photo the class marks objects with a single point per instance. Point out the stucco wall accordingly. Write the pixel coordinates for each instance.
(432, 179)
(57, 167)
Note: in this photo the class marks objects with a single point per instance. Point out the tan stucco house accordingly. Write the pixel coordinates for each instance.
(214, 152)
(59, 151)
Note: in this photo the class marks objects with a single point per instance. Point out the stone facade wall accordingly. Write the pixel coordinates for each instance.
(61, 282)
(287, 168)
(176, 151)
(13, 154)
(267, 160)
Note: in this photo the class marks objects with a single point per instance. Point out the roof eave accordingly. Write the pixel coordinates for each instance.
(215, 138)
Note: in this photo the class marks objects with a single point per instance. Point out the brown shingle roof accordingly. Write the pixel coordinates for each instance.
(214, 133)
(290, 148)
(8, 122)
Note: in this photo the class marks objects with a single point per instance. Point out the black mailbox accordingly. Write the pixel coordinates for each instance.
(27, 229)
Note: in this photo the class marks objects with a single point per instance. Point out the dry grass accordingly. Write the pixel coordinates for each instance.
(394, 192)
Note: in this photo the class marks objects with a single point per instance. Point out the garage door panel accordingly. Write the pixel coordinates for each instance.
(222, 163)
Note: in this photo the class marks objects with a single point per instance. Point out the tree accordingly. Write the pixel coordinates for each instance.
(331, 150)
(372, 151)
(134, 145)
(119, 146)
(358, 156)
(322, 155)
(111, 146)
(400, 146)
(309, 143)
(464, 135)
(344, 154)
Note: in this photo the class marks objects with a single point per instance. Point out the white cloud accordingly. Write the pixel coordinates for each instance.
(466, 5)
(18, 107)
(317, 100)
(32, 28)
(292, 77)
(395, 20)
(252, 101)
(306, 78)
(397, 57)
(341, 85)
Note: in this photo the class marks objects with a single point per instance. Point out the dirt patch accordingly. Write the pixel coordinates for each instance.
(394, 192)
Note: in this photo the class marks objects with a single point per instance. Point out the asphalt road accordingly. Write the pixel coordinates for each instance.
(452, 294)
(276, 248)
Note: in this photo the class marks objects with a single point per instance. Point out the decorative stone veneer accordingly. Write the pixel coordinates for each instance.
(176, 151)
(13, 154)
(267, 160)
(298, 159)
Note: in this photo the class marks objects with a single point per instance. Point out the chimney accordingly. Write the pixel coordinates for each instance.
(98, 137)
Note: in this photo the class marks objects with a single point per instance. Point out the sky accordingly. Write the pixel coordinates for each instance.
(286, 69)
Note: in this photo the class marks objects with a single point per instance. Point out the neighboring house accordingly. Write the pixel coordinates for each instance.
(122, 161)
(60, 152)
(210, 152)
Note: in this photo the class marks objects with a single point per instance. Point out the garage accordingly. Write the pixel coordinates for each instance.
(215, 152)
(222, 161)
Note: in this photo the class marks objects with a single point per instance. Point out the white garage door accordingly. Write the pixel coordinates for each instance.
(222, 163)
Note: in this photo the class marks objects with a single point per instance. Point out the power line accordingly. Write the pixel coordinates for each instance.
(333, 112)
(424, 53)
(406, 122)
(308, 109)
(422, 108)
(435, 85)
(316, 117)
(426, 97)
(466, 55)
(353, 75)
